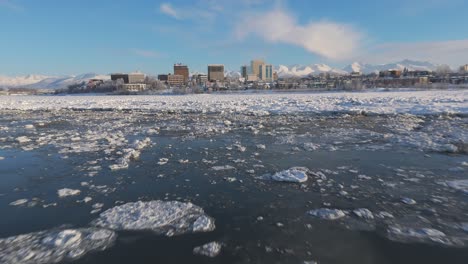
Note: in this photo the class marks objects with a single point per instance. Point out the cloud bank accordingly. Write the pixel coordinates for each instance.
(328, 39)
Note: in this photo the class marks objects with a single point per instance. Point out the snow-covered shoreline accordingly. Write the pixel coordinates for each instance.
(412, 102)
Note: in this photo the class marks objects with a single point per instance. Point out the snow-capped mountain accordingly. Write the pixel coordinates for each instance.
(64, 81)
(302, 71)
(409, 64)
(48, 82)
(7, 81)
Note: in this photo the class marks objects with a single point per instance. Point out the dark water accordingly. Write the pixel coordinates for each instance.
(346, 146)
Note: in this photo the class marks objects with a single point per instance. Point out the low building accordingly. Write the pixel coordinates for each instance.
(175, 80)
(163, 77)
(390, 74)
(275, 76)
(252, 78)
(129, 78)
(201, 79)
(216, 72)
(119, 76)
(134, 87)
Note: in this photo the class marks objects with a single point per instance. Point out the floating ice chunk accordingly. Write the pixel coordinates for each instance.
(384, 215)
(221, 168)
(23, 139)
(120, 165)
(261, 146)
(327, 214)
(311, 146)
(295, 174)
(364, 177)
(459, 185)
(19, 202)
(163, 161)
(464, 227)
(227, 123)
(456, 169)
(2, 158)
(421, 235)
(29, 126)
(364, 213)
(65, 192)
(408, 201)
(87, 199)
(210, 250)
(54, 246)
(169, 218)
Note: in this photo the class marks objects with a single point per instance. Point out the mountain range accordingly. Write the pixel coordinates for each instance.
(57, 82)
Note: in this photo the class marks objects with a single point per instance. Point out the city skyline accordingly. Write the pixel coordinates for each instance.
(58, 38)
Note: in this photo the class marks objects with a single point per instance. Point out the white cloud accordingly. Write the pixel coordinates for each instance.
(167, 9)
(145, 53)
(328, 39)
(452, 52)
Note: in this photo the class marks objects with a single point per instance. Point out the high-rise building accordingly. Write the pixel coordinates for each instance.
(255, 66)
(265, 72)
(215, 72)
(244, 71)
(180, 69)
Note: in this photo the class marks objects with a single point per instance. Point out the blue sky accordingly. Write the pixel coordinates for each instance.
(55, 37)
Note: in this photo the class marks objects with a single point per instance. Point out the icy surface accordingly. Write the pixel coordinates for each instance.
(169, 218)
(327, 214)
(210, 250)
(373, 102)
(54, 246)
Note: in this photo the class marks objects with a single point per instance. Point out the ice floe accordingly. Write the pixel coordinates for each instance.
(168, 218)
(459, 185)
(327, 214)
(211, 249)
(364, 213)
(421, 235)
(294, 175)
(65, 192)
(54, 246)
(19, 202)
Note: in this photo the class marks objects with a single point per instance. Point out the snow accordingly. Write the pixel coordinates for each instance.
(65, 192)
(327, 214)
(168, 218)
(415, 102)
(295, 175)
(211, 249)
(54, 246)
